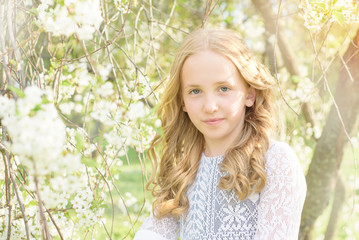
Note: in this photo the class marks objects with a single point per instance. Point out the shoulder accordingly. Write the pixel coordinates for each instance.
(281, 160)
(284, 171)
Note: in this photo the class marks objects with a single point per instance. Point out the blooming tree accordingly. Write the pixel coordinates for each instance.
(67, 123)
(80, 80)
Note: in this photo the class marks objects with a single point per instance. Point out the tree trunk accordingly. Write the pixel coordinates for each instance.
(339, 199)
(323, 169)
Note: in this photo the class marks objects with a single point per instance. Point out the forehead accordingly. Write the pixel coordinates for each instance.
(208, 66)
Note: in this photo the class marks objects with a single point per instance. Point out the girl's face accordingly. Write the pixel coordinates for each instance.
(215, 97)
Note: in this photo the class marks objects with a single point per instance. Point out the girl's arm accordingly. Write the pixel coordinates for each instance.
(166, 228)
(282, 199)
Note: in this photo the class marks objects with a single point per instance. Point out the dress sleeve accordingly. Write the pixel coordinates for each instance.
(166, 228)
(282, 198)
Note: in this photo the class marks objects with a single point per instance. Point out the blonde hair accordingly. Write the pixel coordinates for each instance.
(182, 144)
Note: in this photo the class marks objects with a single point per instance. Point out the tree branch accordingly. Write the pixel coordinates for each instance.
(290, 61)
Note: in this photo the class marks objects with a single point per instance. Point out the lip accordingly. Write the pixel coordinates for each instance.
(213, 121)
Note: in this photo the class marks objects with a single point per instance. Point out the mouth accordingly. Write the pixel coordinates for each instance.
(213, 121)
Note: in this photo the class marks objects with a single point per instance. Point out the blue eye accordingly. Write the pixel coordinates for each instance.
(224, 89)
(194, 91)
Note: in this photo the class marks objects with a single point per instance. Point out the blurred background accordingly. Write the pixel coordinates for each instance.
(73, 146)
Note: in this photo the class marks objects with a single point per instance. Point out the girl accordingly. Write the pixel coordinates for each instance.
(220, 176)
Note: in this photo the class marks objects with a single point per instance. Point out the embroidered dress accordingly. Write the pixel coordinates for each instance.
(216, 214)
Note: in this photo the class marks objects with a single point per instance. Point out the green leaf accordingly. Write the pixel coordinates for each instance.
(339, 16)
(66, 83)
(295, 79)
(32, 203)
(320, 4)
(79, 141)
(37, 108)
(44, 100)
(89, 162)
(17, 91)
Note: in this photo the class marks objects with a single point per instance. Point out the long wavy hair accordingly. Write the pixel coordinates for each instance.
(181, 144)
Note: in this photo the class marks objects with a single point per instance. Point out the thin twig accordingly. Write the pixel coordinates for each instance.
(54, 222)
(19, 199)
(88, 57)
(275, 59)
(2, 42)
(8, 195)
(11, 35)
(45, 230)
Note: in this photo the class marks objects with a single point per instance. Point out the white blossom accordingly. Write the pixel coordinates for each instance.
(102, 111)
(136, 111)
(106, 90)
(317, 13)
(67, 107)
(138, 89)
(81, 17)
(7, 107)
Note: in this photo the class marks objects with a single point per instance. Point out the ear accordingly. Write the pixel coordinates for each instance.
(251, 97)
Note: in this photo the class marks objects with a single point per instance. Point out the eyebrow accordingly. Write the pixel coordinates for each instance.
(191, 86)
(216, 83)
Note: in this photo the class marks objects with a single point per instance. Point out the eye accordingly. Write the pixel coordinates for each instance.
(194, 91)
(224, 89)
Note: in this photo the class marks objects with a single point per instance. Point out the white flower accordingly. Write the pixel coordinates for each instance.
(88, 151)
(88, 13)
(104, 71)
(80, 17)
(137, 110)
(137, 89)
(7, 106)
(83, 78)
(67, 107)
(106, 89)
(47, 2)
(158, 123)
(113, 138)
(102, 111)
(85, 32)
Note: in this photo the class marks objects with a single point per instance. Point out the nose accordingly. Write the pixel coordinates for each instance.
(210, 104)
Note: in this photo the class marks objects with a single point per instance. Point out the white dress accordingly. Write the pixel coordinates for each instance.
(216, 214)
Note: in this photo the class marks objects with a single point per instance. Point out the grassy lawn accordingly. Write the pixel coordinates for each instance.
(132, 206)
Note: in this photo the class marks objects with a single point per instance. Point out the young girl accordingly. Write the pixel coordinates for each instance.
(220, 175)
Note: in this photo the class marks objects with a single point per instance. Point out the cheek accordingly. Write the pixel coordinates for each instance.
(190, 104)
(190, 108)
(236, 110)
(236, 105)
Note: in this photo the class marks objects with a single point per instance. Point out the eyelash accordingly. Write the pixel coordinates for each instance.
(227, 89)
(198, 91)
(191, 92)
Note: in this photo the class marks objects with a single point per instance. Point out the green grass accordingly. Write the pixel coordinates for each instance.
(130, 184)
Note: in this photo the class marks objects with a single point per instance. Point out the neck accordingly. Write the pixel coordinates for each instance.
(214, 149)
(217, 147)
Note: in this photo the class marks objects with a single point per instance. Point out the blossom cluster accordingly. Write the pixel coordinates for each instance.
(87, 217)
(81, 17)
(38, 141)
(316, 13)
(138, 88)
(37, 134)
